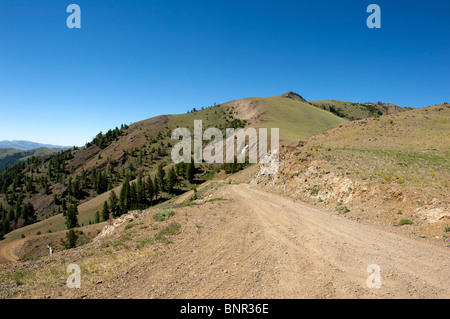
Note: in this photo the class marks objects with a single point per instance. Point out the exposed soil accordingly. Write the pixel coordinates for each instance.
(7, 250)
(249, 244)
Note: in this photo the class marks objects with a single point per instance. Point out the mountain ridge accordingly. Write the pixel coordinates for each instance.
(23, 145)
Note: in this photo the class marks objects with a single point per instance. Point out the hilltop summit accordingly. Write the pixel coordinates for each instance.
(293, 96)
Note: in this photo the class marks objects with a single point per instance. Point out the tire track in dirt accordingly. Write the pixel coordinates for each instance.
(340, 250)
(274, 247)
(7, 250)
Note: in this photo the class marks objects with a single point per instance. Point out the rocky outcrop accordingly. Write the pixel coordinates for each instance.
(293, 96)
(308, 179)
(124, 219)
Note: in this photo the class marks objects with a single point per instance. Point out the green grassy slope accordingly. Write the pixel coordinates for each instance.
(295, 119)
(357, 111)
(411, 146)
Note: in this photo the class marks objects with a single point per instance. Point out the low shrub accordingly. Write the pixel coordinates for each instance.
(405, 221)
(163, 215)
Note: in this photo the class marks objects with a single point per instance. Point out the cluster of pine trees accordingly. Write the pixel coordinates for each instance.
(234, 167)
(145, 192)
(71, 214)
(19, 183)
(237, 123)
(194, 109)
(38, 176)
(16, 187)
(103, 140)
(22, 214)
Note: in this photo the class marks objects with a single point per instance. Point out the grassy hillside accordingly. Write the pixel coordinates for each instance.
(85, 175)
(407, 147)
(357, 111)
(295, 119)
(7, 151)
(393, 170)
(416, 130)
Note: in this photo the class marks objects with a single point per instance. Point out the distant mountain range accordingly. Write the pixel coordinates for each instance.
(11, 152)
(27, 145)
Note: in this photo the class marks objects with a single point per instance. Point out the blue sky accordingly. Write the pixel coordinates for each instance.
(135, 59)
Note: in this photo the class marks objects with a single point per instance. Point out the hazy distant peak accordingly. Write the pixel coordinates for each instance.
(27, 145)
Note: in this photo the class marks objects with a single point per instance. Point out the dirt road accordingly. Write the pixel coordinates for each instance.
(7, 250)
(273, 247)
(190, 193)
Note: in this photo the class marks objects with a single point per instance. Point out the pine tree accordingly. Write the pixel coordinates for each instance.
(83, 179)
(49, 172)
(4, 227)
(156, 188)
(101, 183)
(71, 239)
(190, 171)
(46, 186)
(133, 195)
(93, 174)
(77, 192)
(72, 216)
(97, 217)
(140, 190)
(150, 189)
(69, 187)
(114, 204)
(180, 169)
(124, 197)
(161, 175)
(11, 215)
(171, 180)
(18, 210)
(105, 211)
(30, 185)
(4, 188)
(140, 158)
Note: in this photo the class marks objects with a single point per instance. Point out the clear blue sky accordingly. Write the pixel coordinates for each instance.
(135, 59)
